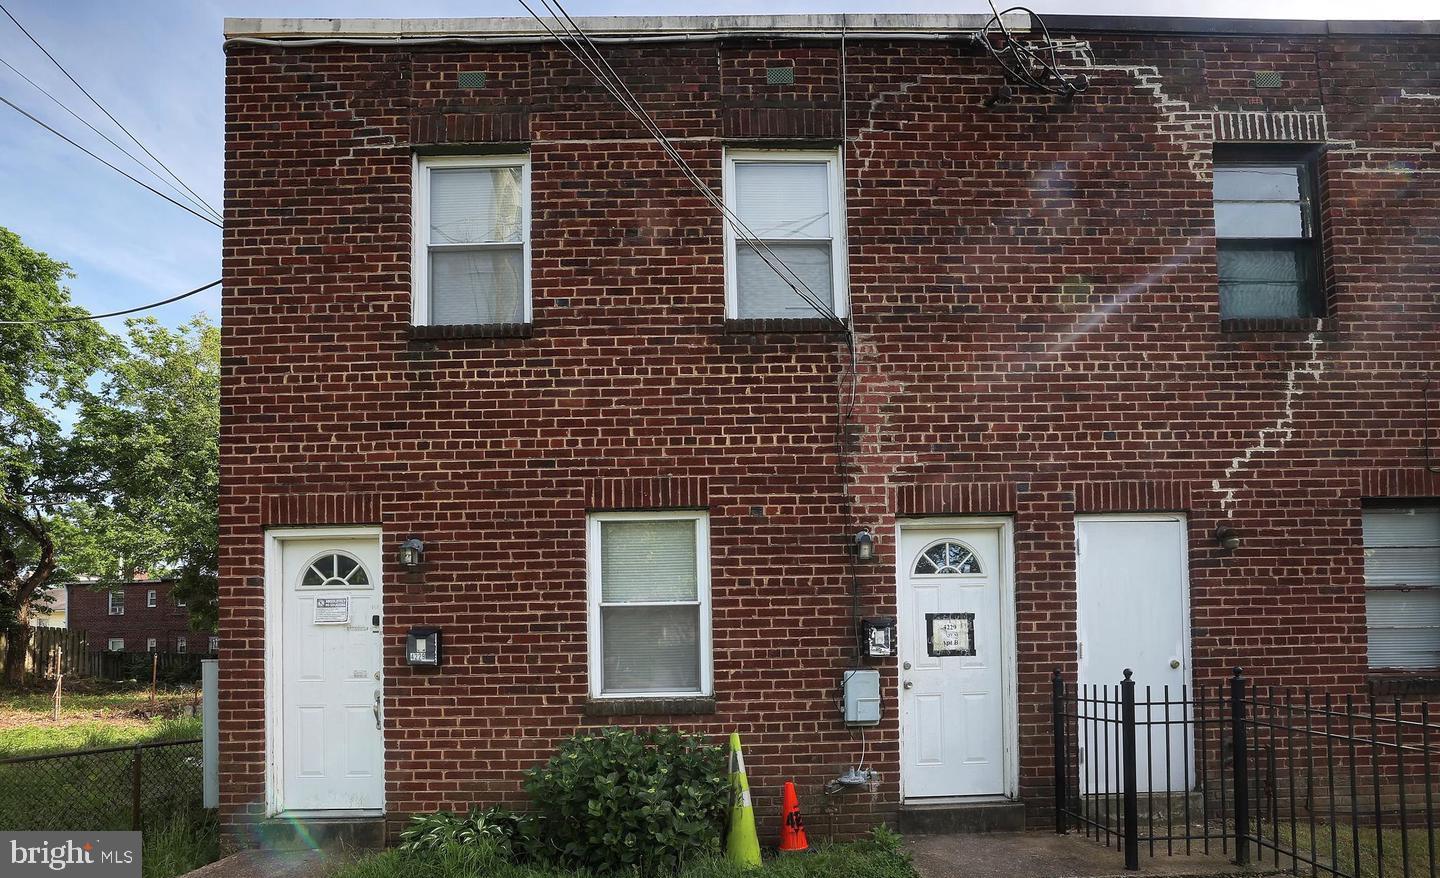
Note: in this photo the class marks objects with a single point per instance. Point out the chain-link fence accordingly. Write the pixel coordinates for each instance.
(108, 788)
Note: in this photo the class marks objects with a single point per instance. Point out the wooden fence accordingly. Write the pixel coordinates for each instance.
(71, 648)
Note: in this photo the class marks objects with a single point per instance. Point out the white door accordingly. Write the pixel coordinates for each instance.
(955, 653)
(1133, 605)
(331, 745)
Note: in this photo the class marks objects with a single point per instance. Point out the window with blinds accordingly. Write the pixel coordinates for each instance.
(791, 202)
(1266, 234)
(649, 604)
(1402, 582)
(472, 247)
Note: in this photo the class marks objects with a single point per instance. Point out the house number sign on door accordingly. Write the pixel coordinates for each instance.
(332, 611)
(950, 633)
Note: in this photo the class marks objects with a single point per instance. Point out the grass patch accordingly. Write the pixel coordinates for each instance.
(1388, 846)
(103, 717)
(880, 856)
(180, 844)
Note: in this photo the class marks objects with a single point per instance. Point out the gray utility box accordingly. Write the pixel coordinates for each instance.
(860, 689)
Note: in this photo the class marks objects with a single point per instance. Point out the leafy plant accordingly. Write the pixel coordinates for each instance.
(496, 828)
(625, 801)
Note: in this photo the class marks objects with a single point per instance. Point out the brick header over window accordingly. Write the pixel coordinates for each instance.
(657, 493)
(948, 499)
(1132, 497)
(304, 509)
(1399, 483)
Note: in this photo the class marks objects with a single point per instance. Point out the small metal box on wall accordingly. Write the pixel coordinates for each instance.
(860, 694)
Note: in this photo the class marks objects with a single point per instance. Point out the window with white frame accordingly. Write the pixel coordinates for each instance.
(116, 644)
(180, 644)
(792, 202)
(472, 240)
(649, 604)
(149, 644)
(117, 603)
(1402, 587)
(214, 645)
(150, 598)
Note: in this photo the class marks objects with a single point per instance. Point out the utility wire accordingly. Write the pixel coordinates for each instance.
(80, 317)
(102, 109)
(83, 121)
(11, 104)
(589, 57)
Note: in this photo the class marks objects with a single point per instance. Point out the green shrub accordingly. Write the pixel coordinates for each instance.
(497, 827)
(624, 801)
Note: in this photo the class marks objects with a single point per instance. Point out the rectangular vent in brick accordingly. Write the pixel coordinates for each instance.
(1269, 79)
(779, 75)
(473, 79)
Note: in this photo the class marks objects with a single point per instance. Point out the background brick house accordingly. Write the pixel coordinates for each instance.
(139, 616)
(1040, 351)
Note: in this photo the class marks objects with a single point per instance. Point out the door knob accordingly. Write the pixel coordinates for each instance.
(1174, 664)
(909, 685)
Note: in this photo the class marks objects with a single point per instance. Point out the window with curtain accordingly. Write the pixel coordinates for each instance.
(650, 604)
(1266, 235)
(472, 241)
(116, 644)
(790, 203)
(1402, 587)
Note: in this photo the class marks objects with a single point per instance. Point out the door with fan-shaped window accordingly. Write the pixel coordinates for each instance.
(330, 738)
(955, 654)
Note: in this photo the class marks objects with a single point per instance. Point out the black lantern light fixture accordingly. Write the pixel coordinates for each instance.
(412, 554)
(864, 545)
(1227, 537)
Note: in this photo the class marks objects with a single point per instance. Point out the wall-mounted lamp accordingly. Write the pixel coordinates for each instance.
(864, 545)
(412, 553)
(1227, 537)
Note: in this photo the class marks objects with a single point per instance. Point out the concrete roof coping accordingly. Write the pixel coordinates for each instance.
(856, 24)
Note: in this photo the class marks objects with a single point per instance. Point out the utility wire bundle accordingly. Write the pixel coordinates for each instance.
(1032, 65)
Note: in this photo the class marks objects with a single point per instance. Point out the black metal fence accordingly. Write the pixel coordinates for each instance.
(1335, 785)
(102, 789)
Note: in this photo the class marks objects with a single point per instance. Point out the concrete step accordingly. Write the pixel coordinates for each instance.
(321, 833)
(942, 818)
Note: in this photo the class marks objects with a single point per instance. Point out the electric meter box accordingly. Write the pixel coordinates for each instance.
(422, 647)
(860, 694)
(877, 633)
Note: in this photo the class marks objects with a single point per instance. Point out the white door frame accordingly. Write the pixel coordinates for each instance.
(1009, 675)
(274, 671)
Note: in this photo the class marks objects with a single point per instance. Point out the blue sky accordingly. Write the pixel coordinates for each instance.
(158, 66)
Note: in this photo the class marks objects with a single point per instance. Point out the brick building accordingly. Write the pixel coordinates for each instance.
(138, 616)
(1137, 378)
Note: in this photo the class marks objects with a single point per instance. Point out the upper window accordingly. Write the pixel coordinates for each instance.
(792, 204)
(335, 568)
(1266, 235)
(649, 604)
(150, 598)
(116, 644)
(117, 603)
(1402, 587)
(472, 240)
(214, 644)
(947, 558)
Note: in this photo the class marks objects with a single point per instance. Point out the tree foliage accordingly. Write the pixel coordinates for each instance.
(44, 368)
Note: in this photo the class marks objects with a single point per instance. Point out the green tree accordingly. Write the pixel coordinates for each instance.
(152, 431)
(44, 368)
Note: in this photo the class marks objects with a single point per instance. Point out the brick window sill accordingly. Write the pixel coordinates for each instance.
(1405, 682)
(470, 330)
(691, 706)
(781, 326)
(1278, 325)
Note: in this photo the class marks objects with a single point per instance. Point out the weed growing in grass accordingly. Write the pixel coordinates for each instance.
(180, 844)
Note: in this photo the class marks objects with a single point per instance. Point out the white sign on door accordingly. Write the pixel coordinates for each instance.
(332, 610)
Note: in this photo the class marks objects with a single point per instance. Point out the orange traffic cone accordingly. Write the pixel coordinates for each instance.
(792, 828)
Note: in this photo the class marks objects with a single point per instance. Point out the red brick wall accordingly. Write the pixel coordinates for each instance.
(90, 612)
(1038, 333)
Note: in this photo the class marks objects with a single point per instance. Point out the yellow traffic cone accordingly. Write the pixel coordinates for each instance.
(742, 846)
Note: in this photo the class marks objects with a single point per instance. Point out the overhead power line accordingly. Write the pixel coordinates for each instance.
(127, 175)
(79, 317)
(86, 122)
(107, 113)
